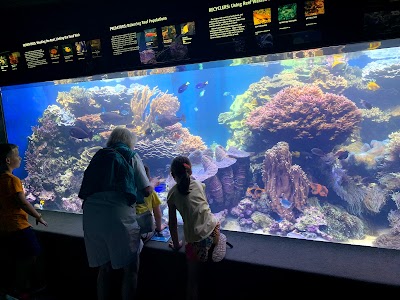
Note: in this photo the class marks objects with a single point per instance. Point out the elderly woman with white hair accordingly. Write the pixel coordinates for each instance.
(111, 233)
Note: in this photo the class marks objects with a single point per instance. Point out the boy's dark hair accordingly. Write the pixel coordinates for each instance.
(5, 150)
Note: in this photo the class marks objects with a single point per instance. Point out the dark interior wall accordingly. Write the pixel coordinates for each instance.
(256, 264)
(163, 276)
(3, 137)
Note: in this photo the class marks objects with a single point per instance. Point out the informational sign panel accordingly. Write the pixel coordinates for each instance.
(99, 40)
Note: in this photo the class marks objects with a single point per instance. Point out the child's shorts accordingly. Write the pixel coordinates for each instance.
(198, 251)
(21, 243)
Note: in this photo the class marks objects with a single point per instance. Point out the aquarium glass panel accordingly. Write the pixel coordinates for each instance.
(303, 144)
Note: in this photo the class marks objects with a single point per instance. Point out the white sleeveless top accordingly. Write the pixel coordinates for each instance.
(198, 220)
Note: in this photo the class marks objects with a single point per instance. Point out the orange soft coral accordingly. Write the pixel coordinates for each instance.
(318, 189)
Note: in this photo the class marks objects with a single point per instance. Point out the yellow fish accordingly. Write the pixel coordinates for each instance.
(185, 29)
(295, 153)
(339, 62)
(373, 86)
(374, 45)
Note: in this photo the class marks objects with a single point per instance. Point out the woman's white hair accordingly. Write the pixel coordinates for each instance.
(122, 135)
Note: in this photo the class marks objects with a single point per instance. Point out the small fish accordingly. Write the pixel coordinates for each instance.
(111, 117)
(295, 154)
(168, 120)
(202, 93)
(374, 45)
(303, 154)
(183, 87)
(81, 124)
(149, 131)
(339, 66)
(196, 108)
(285, 202)
(226, 94)
(176, 136)
(201, 85)
(318, 152)
(342, 154)
(124, 112)
(79, 133)
(366, 104)
(373, 86)
(339, 62)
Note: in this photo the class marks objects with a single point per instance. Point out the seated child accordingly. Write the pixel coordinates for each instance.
(151, 203)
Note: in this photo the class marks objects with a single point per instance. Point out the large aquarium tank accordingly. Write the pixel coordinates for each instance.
(302, 144)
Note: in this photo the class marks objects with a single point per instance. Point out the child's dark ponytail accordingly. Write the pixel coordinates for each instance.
(181, 170)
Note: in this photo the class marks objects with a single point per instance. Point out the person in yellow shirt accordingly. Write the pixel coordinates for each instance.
(19, 244)
(151, 203)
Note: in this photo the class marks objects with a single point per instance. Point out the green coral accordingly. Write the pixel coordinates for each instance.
(341, 225)
(312, 215)
(375, 114)
(262, 220)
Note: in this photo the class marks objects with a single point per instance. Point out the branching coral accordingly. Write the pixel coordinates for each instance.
(375, 114)
(161, 103)
(328, 82)
(164, 104)
(77, 97)
(393, 150)
(187, 142)
(140, 99)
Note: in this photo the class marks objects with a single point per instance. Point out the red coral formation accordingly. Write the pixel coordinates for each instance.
(306, 114)
(186, 142)
(318, 189)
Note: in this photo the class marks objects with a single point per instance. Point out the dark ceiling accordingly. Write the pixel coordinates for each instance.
(30, 3)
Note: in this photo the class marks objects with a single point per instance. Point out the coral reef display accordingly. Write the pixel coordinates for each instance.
(301, 145)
